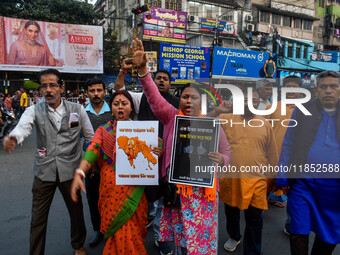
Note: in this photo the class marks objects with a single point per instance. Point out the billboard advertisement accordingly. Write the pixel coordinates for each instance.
(223, 27)
(322, 56)
(151, 65)
(233, 63)
(27, 45)
(185, 63)
(165, 25)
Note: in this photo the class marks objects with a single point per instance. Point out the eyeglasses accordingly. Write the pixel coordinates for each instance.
(51, 85)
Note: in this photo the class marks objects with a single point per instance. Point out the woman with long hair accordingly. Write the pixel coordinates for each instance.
(31, 48)
(193, 226)
(122, 208)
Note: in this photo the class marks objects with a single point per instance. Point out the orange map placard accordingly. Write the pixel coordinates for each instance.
(132, 146)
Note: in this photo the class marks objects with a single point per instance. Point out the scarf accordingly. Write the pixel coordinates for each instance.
(186, 190)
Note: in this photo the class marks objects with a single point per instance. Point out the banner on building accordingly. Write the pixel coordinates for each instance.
(322, 56)
(194, 138)
(27, 45)
(233, 63)
(223, 27)
(151, 64)
(185, 63)
(165, 25)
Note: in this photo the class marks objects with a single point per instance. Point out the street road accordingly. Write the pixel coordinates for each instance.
(16, 178)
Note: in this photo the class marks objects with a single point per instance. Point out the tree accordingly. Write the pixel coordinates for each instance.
(60, 11)
(112, 56)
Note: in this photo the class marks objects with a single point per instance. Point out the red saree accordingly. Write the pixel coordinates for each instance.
(122, 208)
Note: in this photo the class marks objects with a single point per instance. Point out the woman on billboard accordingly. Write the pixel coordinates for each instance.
(31, 48)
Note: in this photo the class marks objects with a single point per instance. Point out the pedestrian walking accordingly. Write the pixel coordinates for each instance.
(250, 146)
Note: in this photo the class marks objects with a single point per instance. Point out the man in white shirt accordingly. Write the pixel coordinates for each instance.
(265, 89)
(58, 124)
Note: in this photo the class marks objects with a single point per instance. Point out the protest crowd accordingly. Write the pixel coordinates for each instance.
(77, 139)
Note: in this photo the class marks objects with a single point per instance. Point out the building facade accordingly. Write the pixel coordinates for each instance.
(304, 34)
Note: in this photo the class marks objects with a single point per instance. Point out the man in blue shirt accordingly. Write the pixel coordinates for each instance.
(99, 113)
(311, 150)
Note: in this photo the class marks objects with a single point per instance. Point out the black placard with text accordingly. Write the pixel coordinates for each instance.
(194, 138)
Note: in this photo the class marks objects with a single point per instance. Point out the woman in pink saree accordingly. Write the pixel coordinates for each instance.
(31, 48)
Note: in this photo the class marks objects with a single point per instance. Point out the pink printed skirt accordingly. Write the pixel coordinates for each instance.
(193, 226)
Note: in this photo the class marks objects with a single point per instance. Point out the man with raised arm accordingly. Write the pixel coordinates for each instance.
(58, 124)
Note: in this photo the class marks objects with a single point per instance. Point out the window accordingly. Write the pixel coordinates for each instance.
(305, 52)
(173, 5)
(297, 23)
(290, 50)
(208, 11)
(307, 25)
(227, 14)
(276, 19)
(322, 3)
(211, 11)
(298, 49)
(227, 17)
(195, 9)
(265, 17)
(156, 4)
(287, 21)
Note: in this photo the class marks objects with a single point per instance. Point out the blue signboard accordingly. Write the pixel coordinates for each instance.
(185, 63)
(223, 27)
(233, 63)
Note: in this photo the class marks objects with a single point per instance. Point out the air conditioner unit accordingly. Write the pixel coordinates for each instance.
(249, 18)
(192, 18)
(250, 27)
(319, 47)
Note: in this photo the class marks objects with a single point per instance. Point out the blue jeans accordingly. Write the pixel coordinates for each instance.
(151, 210)
(158, 215)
